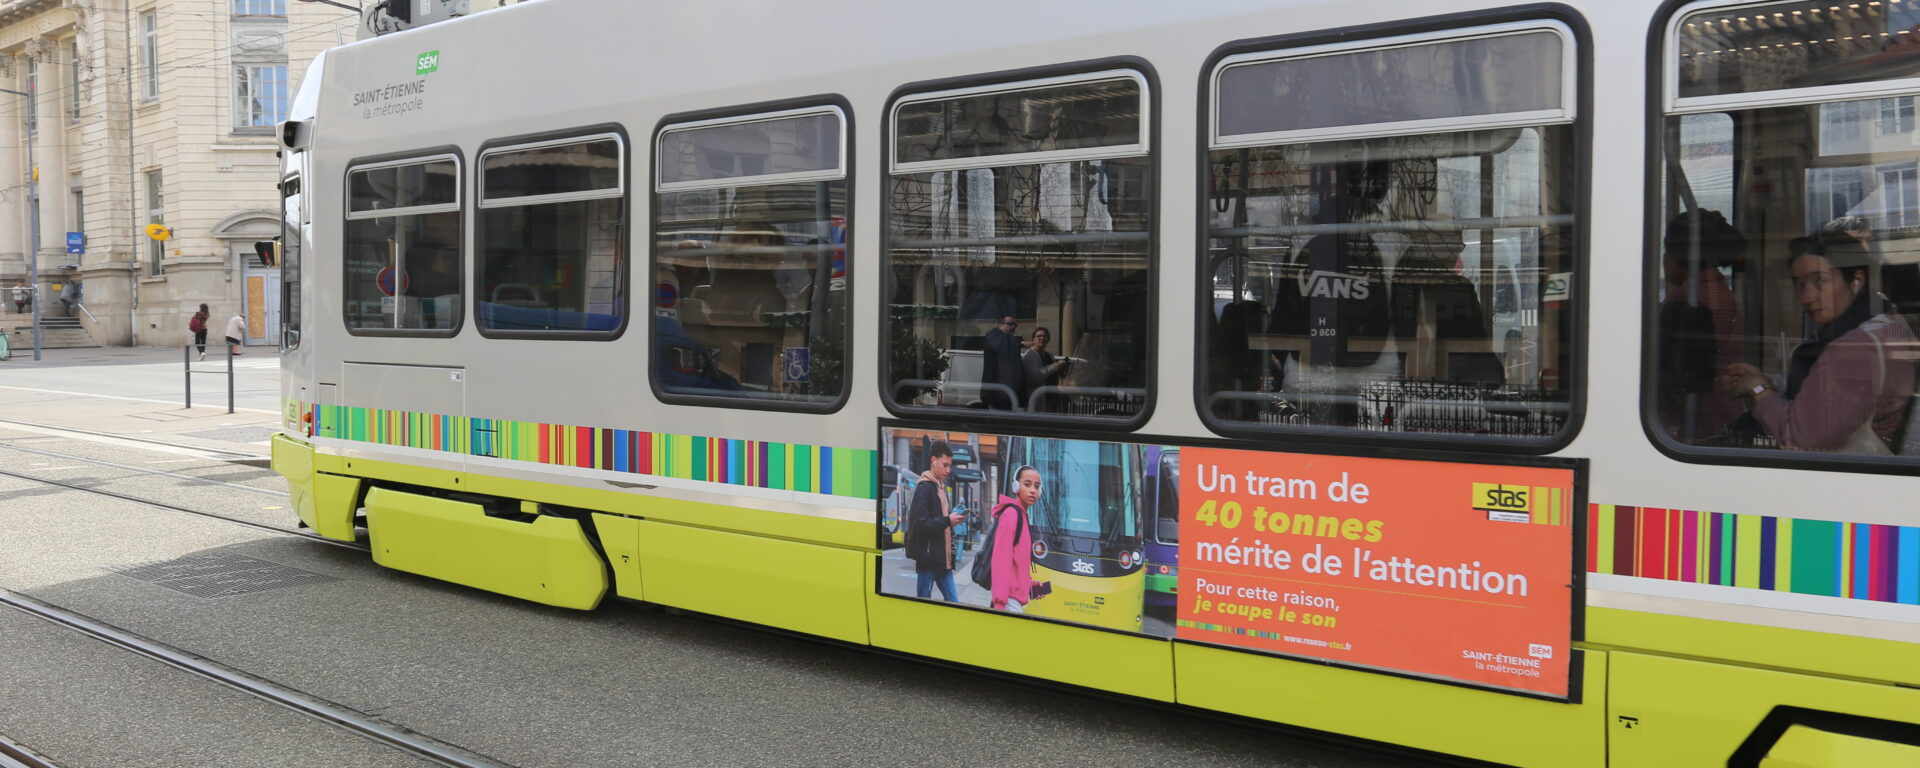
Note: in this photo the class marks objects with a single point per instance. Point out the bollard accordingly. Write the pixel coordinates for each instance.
(186, 362)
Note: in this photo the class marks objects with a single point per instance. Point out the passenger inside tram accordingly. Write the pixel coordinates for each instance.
(1798, 229)
(1848, 385)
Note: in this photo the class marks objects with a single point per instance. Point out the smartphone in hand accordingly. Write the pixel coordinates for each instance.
(1042, 589)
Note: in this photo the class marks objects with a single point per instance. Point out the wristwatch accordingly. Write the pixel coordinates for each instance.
(1759, 389)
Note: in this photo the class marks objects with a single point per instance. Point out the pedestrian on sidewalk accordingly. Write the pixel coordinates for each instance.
(198, 324)
(22, 296)
(236, 334)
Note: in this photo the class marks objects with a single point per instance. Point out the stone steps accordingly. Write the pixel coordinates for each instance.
(55, 332)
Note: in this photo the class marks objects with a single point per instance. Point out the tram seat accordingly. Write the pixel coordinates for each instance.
(512, 318)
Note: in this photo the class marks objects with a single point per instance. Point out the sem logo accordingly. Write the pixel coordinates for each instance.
(1540, 650)
(1082, 566)
(427, 63)
(1334, 285)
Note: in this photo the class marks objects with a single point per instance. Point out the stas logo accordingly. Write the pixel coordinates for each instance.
(1082, 566)
(1321, 283)
(1504, 503)
(427, 63)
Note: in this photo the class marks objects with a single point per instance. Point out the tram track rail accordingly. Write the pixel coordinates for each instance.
(341, 716)
(184, 510)
(15, 755)
(142, 470)
(338, 715)
(235, 455)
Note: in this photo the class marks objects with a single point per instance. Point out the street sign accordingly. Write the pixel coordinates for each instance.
(799, 365)
(386, 281)
(76, 242)
(159, 231)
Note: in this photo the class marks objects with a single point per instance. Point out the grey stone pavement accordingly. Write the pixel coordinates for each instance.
(527, 685)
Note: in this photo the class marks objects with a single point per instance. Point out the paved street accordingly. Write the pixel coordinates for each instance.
(521, 684)
(142, 374)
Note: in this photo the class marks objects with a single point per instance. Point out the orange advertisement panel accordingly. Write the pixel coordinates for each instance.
(1458, 572)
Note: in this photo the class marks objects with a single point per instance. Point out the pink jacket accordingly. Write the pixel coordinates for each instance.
(1012, 554)
(1839, 394)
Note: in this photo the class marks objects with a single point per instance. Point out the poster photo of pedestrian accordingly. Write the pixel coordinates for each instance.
(1043, 527)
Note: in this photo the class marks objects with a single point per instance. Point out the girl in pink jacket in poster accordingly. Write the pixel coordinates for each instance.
(1013, 543)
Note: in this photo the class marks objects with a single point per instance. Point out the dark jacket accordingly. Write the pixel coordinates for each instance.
(1000, 364)
(929, 535)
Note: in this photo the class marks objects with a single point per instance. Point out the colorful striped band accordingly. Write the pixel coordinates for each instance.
(849, 472)
(1861, 561)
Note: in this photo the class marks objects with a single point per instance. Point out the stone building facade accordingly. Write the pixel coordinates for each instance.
(150, 111)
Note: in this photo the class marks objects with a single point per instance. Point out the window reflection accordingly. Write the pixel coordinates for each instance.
(752, 291)
(1796, 45)
(983, 261)
(1022, 288)
(1403, 284)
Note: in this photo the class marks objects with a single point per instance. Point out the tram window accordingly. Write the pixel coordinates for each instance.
(403, 247)
(1415, 280)
(290, 268)
(552, 230)
(750, 259)
(1018, 256)
(1788, 259)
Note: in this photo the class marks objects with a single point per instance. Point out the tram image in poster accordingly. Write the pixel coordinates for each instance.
(1075, 512)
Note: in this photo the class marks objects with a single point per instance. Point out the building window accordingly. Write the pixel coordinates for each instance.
(79, 210)
(1786, 316)
(403, 247)
(156, 214)
(259, 7)
(1396, 262)
(1896, 116)
(150, 55)
(552, 228)
(33, 95)
(750, 241)
(73, 80)
(259, 96)
(1012, 209)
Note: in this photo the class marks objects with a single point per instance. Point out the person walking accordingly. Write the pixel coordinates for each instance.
(236, 334)
(198, 324)
(22, 295)
(930, 521)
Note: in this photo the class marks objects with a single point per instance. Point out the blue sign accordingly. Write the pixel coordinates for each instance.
(76, 242)
(799, 364)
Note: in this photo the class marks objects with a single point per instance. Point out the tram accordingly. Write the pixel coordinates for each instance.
(1530, 383)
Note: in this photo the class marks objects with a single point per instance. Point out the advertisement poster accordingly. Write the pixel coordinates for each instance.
(1452, 571)
(1460, 572)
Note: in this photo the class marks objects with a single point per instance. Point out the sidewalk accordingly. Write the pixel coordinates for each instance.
(138, 392)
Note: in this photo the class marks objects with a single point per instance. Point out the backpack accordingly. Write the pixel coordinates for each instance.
(982, 570)
(197, 324)
(1687, 353)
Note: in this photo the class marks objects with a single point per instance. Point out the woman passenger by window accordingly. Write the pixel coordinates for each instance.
(1847, 387)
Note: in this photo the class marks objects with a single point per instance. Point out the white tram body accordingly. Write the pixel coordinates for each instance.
(1676, 669)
